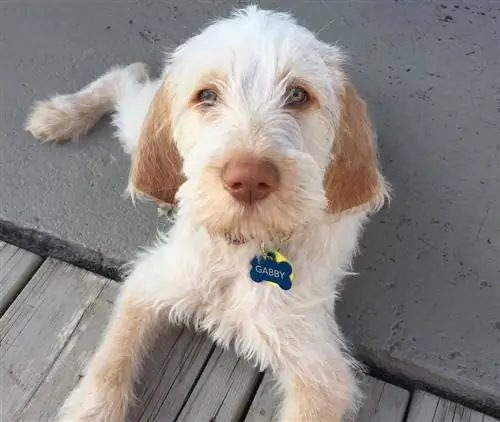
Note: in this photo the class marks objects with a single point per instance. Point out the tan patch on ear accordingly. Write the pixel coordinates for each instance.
(157, 165)
(352, 179)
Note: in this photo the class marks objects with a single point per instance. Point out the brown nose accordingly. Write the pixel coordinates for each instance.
(250, 179)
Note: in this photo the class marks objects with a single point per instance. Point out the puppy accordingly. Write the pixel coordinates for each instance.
(259, 139)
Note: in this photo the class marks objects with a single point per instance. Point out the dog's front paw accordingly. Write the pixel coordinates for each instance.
(94, 403)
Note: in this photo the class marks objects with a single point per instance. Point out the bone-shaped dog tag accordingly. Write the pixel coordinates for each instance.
(272, 267)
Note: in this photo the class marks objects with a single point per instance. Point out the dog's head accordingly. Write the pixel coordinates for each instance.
(257, 131)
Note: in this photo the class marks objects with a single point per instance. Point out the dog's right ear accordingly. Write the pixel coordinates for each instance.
(156, 169)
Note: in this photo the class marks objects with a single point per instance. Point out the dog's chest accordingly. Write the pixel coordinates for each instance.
(231, 303)
(226, 288)
(254, 318)
(242, 315)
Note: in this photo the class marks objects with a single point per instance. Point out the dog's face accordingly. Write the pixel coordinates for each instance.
(257, 131)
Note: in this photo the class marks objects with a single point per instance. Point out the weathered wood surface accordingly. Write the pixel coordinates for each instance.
(383, 402)
(36, 330)
(54, 321)
(52, 329)
(224, 390)
(426, 407)
(16, 268)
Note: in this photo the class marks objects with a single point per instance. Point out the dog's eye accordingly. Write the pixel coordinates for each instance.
(296, 96)
(207, 97)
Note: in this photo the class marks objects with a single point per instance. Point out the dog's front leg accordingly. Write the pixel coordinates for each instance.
(318, 381)
(107, 386)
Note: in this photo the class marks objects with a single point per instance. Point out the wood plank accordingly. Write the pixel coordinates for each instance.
(16, 268)
(383, 402)
(36, 328)
(69, 365)
(223, 390)
(427, 407)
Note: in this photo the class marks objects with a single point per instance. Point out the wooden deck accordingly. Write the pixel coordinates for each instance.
(52, 315)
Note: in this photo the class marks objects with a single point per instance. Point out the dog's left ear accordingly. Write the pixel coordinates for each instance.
(352, 180)
(156, 169)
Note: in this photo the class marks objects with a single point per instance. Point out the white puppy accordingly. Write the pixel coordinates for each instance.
(258, 137)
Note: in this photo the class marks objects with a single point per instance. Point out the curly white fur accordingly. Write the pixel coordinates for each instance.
(329, 185)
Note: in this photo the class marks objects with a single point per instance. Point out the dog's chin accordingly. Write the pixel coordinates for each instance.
(263, 222)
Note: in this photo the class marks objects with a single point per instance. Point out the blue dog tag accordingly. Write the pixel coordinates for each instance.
(272, 267)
